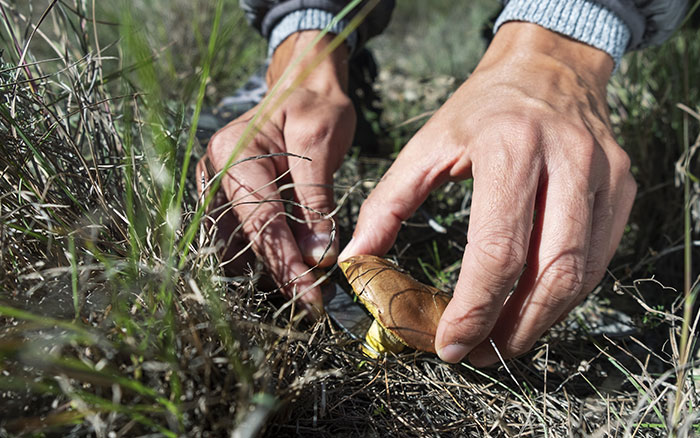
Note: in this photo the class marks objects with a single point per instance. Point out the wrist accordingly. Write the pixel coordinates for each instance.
(587, 21)
(530, 44)
(330, 76)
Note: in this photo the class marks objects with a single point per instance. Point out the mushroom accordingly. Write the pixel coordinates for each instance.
(406, 312)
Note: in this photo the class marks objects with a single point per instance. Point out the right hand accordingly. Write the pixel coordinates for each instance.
(552, 190)
(317, 120)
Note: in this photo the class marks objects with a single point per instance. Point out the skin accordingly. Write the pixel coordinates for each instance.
(531, 127)
(316, 121)
(552, 188)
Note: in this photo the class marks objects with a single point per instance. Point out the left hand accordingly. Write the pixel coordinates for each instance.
(316, 121)
(552, 190)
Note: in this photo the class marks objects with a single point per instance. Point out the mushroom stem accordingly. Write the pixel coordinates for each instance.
(381, 341)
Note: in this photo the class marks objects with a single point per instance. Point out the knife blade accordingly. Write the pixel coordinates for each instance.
(345, 312)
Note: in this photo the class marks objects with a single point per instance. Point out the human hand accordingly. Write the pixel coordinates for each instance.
(317, 120)
(552, 190)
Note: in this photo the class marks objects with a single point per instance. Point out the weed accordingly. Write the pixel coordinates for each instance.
(116, 319)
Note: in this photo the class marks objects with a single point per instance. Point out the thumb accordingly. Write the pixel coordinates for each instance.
(404, 187)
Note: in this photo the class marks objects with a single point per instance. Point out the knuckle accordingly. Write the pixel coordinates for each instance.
(265, 232)
(311, 135)
(621, 161)
(471, 330)
(316, 200)
(519, 343)
(240, 189)
(631, 185)
(582, 136)
(345, 105)
(221, 145)
(563, 279)
(587, 149)
(576, 134)
(586, 152)
(593, 276)
(392, 208)
(257, 222)
(318, 133)
(500, 255)
(517, 131)
(216, 142)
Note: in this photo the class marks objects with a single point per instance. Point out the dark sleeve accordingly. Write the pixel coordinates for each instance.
(651, 22)
(265, 14)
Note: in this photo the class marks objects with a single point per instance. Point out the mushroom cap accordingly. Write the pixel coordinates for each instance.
(402, 305)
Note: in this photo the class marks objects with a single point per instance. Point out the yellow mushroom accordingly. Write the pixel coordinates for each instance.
(406, 312)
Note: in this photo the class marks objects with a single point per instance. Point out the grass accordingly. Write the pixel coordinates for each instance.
(115, 319)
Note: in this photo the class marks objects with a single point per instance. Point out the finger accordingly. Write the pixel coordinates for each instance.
(612, 210)
(259, 208)
(313, 191)
(499, 230)
(414, 174)
(231, 246)
(314, 230)
(555, 273)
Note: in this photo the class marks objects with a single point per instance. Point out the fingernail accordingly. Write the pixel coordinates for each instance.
(348, 251)
(453, 353)
(315, 247)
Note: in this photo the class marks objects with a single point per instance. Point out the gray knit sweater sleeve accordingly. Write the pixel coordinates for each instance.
(650, 22)
(264, 15)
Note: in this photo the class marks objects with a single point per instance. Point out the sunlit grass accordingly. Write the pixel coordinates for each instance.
(116, 316)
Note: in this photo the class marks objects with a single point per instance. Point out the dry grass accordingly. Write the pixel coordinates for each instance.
(106, 330)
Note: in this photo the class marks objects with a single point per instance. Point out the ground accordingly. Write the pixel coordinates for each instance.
(115, 319)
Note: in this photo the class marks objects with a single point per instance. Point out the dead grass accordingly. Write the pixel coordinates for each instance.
(103, 334)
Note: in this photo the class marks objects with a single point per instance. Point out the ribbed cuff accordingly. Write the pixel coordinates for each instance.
(582, 20)
(307, 19)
